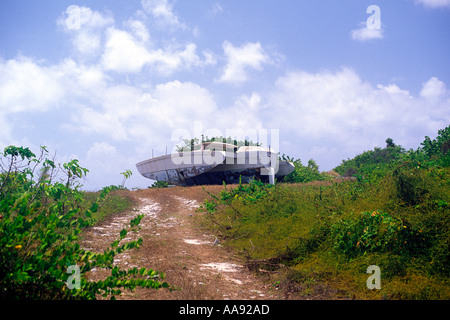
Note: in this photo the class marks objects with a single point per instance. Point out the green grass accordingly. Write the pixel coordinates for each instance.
(326, 234)
(115, 202)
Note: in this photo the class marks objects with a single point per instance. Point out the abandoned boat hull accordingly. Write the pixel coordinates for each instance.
(229, 175)
(176, 170)
(284, 168)
(211, 166)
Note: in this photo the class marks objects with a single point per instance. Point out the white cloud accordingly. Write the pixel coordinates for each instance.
(139, 30)
(143, 118)
(29, 89)
(364, 33)
(434, 3)
(216, 8)
(130, 49)
(5, 131)
(433, 89)
(105, 162)
(437, 100)
(27, 86)
(77, 18)
(100, 151)
(240, 59)
(124, 53)
(86, 26)
(243, 114)
(162, 11)
(89, 121)
(81, 80)
(175, 58)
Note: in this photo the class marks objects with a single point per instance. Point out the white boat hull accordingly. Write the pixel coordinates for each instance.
(214, 167)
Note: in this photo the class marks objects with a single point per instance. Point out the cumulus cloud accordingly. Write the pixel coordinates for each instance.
(144, 117)
(5, 130)
(364, 33)
(126, 54)
(250, 56)
(123, 53)
(162, 11)
(27, 86)
(139, 30)
(129, 49)
(105, 162)
(244, 113)
(437, 100)
(434, 3)
(433, 89)
(100, 151)
(86, 26)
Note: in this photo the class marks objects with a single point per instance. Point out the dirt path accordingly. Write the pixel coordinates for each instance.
(193, 261)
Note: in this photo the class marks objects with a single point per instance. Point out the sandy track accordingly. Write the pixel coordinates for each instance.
(192, 262)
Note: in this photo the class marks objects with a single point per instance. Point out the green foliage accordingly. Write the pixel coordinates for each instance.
(126, 175)
(189, 144)
(39, 227)
(378, 232)
(113, 200)
(303, 173)
(410, 185)
(377, 163)
(160, 184)
(372, 164)
(438, 149)
(246, 193)
(234, 201)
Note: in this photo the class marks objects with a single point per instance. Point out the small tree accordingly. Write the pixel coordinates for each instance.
(126, 175)
(390, 143)
(303, 173)
(438, 149)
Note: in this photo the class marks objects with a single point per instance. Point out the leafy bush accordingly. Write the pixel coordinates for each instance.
(189, 144)
(372, 164)
(39, 226)
(377, 163)
(303, 173)
(378, 232)
(245, 193)
(438, 149)
(410, 186)
(160, 184)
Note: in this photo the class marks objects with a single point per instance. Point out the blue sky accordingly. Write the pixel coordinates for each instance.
(108, 81)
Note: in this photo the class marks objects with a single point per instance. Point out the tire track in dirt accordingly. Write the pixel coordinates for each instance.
(193, 262)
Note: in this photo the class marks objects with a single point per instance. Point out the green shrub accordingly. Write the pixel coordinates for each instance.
(160, 184)
(303, 173)
(410, 186)
(373, 164)
(247, 193)
(378, 232)
(438, 150)
(39, 226)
